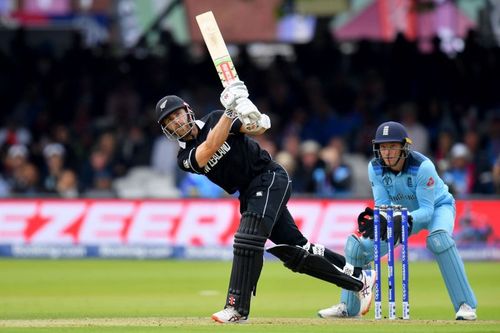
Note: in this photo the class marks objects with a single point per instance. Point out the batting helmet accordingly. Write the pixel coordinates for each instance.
(167, 105)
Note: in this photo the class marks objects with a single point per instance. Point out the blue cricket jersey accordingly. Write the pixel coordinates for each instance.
(417, 187)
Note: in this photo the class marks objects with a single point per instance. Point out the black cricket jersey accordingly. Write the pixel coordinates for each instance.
(237, 162)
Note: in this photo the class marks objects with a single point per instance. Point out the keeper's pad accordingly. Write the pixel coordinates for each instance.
(299, 260)
(452, 268)
(355, 253)
(248, 249)
(357, 256)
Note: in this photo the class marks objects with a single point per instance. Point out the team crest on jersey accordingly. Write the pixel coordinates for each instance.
(387, 181)
(186, 164)
(430, 183)
(409, 182)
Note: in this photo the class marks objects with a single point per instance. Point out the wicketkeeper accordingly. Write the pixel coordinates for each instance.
(400, 176)
(217, 147)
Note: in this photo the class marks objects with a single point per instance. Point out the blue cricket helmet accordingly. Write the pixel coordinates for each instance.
(391, 131)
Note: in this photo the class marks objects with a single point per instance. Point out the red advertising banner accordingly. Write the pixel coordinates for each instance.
(202, 222)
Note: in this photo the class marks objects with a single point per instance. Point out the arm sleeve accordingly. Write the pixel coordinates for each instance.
(426, 178)
(236, 126)
(187, 161)
(380, 195)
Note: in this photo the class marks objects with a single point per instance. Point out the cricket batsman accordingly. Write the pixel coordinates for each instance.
(217, 146)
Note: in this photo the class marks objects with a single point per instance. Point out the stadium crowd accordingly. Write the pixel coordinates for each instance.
(81, 123)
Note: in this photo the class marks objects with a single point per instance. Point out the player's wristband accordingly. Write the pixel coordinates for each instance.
(231, 114)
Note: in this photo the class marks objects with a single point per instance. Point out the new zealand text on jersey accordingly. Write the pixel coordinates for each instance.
(216, 157)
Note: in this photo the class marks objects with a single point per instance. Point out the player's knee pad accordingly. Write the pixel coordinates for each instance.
(251, 234)
(439, 241)
(452, 268)
(248, 247)
(355, 252)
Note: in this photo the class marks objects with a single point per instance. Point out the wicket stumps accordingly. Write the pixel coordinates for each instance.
(390, 210)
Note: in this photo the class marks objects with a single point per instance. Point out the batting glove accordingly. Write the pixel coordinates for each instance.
(247, 111)
(232, 93)
(255, 126)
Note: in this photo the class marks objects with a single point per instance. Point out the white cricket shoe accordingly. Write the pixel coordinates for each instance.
(368, 278)
(229, 316)
(465, 312)
(335, 311)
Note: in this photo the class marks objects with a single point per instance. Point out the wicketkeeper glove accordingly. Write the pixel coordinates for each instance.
(365, 223)
(396, 219)
(234, 91)
(366, 227)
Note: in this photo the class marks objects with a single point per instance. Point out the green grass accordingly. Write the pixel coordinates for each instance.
(161, 296)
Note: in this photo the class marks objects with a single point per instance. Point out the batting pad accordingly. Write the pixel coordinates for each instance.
(299, 260)
(248, 252)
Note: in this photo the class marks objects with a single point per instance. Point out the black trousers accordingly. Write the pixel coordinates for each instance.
(268, 195)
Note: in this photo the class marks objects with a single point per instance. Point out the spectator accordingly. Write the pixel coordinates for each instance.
(441, 155)
(334, 178)
(309, 161)
(415, 129)
(61, 134)
(67, 185)
(54, 166)
(291, 145)
(479, 159)
(460, 176)
(136, 147)
(107, 144)
(97, 174)
(16, 159)
(26, 181)
(163, 158)
(287, 162)
(13, 134)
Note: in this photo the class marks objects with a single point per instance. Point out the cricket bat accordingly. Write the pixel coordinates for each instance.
(217, 47)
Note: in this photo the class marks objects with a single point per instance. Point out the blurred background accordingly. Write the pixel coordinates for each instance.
(80, 78)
